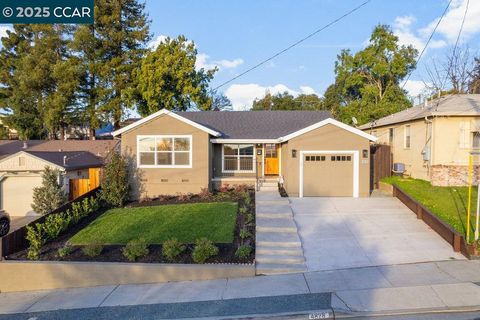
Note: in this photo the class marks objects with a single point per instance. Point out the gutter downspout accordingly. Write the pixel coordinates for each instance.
(431, 141)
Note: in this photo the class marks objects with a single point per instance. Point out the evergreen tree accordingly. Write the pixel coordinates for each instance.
(49, 195)
(286, 101)
(114, 184)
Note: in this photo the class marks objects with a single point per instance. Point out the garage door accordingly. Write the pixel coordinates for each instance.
(328, 175)
(17, 194)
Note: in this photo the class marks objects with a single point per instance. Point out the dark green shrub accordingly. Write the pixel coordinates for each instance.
(243, 210)
(92, 250)
(204, 249)
(172, 248)
(115, 181)
(49, 196)
(243, 252)
(244, 234)
(135, 249)
(249, 218)
(37, 238)
(53, 225)
(65, 251)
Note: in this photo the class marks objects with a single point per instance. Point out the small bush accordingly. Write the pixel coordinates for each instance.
(244, 234)
(172, 248)
(36, 237)
(249, 218)
(54, 224)
(205, 194)
(243, 252)
(92, 250)
(241, 188)
(183, 197)
(204, 249)
(115, 181)
(247, 200)
(243, 210)
(65, 251)
(224, 188)
(135, 249)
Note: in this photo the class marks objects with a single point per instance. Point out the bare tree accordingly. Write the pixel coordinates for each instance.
(474, 86)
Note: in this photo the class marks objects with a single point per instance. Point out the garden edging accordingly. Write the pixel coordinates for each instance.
(42, 275)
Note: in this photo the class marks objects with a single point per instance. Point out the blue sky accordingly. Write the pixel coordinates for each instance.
(237, 34)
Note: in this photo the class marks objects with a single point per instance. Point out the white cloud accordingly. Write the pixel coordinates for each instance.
(156, 41)
(243, 95)
(229, 64)
(203, 62)
(3, 30)
(415, 88)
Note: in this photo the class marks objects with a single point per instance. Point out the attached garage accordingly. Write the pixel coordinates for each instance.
(16, 193)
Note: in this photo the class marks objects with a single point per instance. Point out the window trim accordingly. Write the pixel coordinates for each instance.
(165, 166)
(238, 159)
(405, 136)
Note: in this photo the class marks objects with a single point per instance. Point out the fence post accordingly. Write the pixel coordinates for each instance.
(419, 211)
(456, 242)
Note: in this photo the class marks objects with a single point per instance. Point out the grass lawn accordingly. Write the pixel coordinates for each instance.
(186, 222)
(447, 203)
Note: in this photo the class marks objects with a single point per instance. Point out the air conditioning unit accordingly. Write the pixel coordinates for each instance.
(398, 168)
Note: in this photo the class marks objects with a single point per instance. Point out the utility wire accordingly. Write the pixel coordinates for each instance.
(428, 41)
(295, 44)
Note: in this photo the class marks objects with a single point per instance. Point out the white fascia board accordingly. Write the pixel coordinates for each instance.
(325, 122)
(165, 112)
(245, 141)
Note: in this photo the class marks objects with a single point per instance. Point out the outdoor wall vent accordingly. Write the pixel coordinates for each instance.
(185, 180)
(294, 153)
(164, 180)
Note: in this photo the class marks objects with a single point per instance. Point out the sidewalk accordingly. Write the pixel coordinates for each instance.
(412, 287)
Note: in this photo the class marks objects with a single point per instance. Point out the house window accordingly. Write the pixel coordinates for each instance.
(476, 140)
(407, 138)
(391, 133)
(164, 151)
(238, 158)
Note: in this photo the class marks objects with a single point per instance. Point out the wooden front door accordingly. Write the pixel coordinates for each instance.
(271, 159)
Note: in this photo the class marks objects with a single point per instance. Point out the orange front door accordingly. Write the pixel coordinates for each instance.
(271, 159)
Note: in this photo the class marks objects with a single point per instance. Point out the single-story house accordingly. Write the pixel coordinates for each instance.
(434, 139)
(22, 164)
(308, 151)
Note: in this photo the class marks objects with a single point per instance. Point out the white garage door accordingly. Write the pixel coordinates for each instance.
(17, 194)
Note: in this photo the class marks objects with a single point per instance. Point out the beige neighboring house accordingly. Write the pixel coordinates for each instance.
(22, 164)
(308, 151)
(434, 140)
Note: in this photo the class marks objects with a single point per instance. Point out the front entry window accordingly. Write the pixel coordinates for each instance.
(238, 158)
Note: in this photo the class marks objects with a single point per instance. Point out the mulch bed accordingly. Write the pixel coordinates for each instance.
(113, 253)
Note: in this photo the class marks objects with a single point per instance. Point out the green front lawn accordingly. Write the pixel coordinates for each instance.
(186, 222)
(447, 203)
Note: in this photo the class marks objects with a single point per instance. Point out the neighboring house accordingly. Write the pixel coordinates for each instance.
(434, 139)
(22, 164)
(311, 153)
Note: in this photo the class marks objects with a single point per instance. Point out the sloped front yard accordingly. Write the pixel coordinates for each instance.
(186, 222)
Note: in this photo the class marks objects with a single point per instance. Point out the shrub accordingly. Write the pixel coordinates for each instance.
(115, 181)
(249, 218)
(243, 252)
(244, 234)
(247, 200)
(53, 225)
(183, 197)
(204, 249)
(135, 249)
(172, 248)
(243, 210)
(49, 196)
(205, 194)
(241, 188)
(224, 188)
(92, 250)
(36, 238)
(65, 251)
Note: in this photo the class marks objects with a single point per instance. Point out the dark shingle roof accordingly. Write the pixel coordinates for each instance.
(74, 160)
(256, 124)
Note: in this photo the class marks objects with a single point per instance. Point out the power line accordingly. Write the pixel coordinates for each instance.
(428, 41)
(295, 44)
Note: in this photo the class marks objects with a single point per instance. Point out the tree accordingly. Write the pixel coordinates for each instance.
(167, 78)
(220, 102)
(286, 101)
(49, 196)
(474, 85)
(122, 31)
(367, 83)
(114, 183)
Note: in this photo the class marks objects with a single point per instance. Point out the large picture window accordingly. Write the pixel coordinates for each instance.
(164, 151)
(238, 158)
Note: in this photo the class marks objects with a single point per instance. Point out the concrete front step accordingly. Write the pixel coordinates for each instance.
(269, 184)
(268, 188)
(274, 268)
(269, 196)
(278, 239)
(274, 215)
(272, 208)
(274, 250)
(279, 259)
(276, 224)
(279, 201)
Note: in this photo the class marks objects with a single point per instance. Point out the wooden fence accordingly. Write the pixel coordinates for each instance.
(455, 239)
(380, 164)
(15, 241)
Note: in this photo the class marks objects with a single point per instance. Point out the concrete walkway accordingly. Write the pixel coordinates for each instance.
(446, 285)
(278, 246)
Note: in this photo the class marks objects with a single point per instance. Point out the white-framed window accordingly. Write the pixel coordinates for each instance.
(464, 135)
(476, 140)
(407, 137)
(238, 158)
(164, 151)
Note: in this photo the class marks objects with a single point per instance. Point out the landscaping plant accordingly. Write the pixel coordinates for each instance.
(65, 251)
(134, 249)
(172, 248)
(204, 249)
(115, 181)
(244, 234)
(36, 238)
(92, 250)
(243, 252)
(49, 196)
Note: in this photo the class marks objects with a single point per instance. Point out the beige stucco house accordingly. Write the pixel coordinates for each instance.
(309, 152)
(22, 164)
(434, 139)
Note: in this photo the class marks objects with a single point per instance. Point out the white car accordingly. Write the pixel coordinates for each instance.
(4, 223)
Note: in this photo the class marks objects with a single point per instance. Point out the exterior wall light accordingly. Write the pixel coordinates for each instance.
(294, 153)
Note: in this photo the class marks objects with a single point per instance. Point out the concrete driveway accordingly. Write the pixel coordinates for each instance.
(339, 233)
